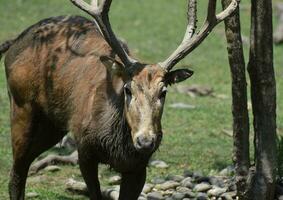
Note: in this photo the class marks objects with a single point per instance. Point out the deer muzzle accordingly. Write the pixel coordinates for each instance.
(145, 143)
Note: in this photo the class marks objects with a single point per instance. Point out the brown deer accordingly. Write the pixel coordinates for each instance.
(72, 74)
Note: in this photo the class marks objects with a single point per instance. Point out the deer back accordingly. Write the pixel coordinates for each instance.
(57, 68)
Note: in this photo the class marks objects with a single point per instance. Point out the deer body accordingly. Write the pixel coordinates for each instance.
(69, 74)
(58, 82)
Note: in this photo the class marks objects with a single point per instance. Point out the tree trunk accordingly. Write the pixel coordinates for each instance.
(263, 93)
(241, 156)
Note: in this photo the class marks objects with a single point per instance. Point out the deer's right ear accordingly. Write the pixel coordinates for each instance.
(113, 66)
(177, 76)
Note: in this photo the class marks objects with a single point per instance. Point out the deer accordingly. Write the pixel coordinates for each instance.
(72, 74)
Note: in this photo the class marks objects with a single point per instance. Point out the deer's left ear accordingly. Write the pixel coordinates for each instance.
(177, 76)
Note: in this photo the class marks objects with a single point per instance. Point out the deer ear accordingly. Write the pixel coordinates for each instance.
(177, 76)
(113, 66)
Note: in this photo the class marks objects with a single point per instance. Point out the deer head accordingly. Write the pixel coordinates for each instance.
(145, 85)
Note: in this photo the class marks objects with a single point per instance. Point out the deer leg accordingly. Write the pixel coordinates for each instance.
(31, 135)
(17, 182)
(132, 184)
(21, 129)
(89, 170)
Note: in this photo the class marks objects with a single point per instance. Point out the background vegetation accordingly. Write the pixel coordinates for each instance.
(193, 139)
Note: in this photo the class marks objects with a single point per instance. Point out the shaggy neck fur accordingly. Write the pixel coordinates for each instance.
(113, 138)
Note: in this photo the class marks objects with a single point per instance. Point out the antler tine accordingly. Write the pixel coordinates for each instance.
(100, 14)
(191, 40)
(228, 11)
(192, 20)
(94, 3)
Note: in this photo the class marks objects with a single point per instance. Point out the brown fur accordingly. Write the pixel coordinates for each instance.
(59, 81)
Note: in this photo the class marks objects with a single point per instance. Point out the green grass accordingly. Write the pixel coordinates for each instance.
(193, 139)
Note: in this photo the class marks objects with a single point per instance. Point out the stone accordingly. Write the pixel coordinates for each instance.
(197, 175)
(178, 195)
(190, 194)
(76, 186)
(168, 192)
(143, 195)
(147, 188)
(182, 189)
(31, 195)
(201, 196)
(216, 191)
(188, 173)
(155, 196)
(167, 185)
(228, 195)
(216, 181)
(158, 180)
(280, 197)
(187, 182)
(159, 164)
(228, 171)
(142, 198)
(114, 180)
(52, 168)
(232, 187)
(177, 178)
(202, 187)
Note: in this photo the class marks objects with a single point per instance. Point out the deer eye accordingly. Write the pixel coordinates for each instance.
(163, 93)
(127, 90)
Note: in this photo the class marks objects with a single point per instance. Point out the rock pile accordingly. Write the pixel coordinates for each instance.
(185, 187)
(190, 185)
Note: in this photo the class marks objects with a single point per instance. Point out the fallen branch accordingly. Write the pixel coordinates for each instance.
(67, 143)
(54, 159)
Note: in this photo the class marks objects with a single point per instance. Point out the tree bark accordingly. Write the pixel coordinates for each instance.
(241, 155)
(263, 94)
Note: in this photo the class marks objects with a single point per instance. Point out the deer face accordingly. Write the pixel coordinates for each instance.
(144, 97)
(144, 92)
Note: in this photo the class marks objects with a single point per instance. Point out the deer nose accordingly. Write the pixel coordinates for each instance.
(145, 143)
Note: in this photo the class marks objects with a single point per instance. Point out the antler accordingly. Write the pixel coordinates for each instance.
(192, 40)
(100, 14)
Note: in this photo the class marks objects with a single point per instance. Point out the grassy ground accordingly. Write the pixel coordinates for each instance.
(193, 139)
